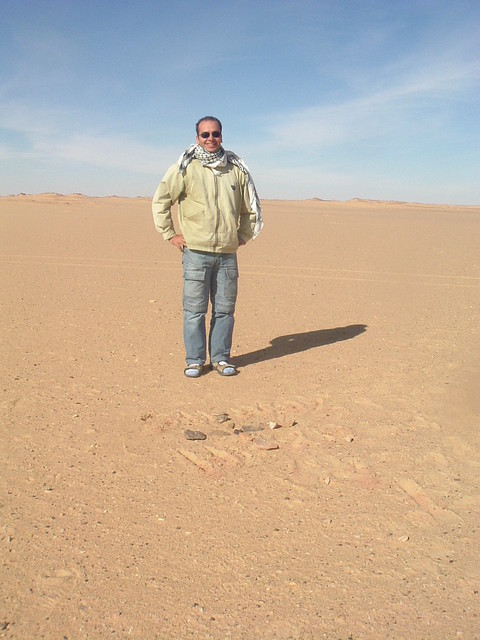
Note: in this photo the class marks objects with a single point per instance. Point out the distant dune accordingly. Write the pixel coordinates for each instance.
(361, 201)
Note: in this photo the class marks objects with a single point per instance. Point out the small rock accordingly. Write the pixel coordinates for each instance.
(327, 480)
(219, 433)
(249, 428)
(194, 435)
(274, 425)
(349, 438)
(403, 538)
(265, 445)
(223, 417)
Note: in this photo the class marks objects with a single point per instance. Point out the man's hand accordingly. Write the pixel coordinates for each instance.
(178, 241)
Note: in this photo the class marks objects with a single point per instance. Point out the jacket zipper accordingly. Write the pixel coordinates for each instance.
(217, 224)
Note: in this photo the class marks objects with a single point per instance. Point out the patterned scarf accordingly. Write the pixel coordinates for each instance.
(220, 159)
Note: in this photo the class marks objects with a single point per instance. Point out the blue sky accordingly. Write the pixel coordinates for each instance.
(332, 99)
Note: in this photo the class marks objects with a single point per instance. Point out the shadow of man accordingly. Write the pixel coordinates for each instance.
(297, 342)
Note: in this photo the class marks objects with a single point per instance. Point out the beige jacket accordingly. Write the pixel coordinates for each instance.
(213, 207)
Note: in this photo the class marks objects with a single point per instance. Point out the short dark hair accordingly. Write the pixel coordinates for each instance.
(209, 118)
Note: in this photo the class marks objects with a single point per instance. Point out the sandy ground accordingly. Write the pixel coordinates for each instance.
(357, 336)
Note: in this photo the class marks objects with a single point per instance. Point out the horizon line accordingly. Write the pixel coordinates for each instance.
(313, 198)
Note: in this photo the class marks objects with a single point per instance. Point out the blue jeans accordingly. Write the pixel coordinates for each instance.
(214, 277)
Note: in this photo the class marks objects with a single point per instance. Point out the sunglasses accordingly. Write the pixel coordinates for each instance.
(205, 134)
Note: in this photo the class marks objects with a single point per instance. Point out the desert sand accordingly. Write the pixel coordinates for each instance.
(356, 516)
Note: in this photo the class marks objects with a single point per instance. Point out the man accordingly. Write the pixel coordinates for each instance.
(218, 211)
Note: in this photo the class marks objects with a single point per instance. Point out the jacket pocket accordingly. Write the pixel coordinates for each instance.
(192, 212)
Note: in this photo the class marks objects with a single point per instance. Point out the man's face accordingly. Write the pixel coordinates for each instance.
(213, 142)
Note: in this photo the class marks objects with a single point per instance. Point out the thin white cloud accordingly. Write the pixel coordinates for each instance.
(50, 134)
(19, 117)
(427, 87)
(120, 152)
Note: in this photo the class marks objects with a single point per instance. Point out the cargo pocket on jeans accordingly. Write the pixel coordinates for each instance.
(230, 290)
(195, 296)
